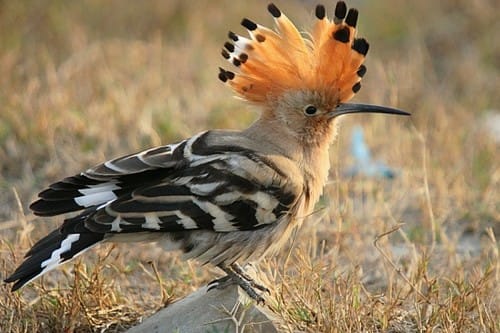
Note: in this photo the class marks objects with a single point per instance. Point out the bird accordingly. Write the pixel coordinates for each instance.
(224, 197)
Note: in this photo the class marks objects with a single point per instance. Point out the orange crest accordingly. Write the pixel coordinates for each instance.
(328, 60)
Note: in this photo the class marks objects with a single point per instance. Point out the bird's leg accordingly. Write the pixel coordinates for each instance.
(241, 272)
(245, 284)
(239, 277)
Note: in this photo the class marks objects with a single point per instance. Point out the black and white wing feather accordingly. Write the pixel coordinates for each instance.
(188, 185)
(108, 181)
(203, 183)
(219, 188)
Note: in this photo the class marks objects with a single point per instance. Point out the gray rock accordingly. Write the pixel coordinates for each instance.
(227, 310)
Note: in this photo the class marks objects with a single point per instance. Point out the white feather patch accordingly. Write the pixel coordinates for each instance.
(55, 258)
(204, 189)
(115, 225)
(93, 189)
(50, 266)
(263, 200)
(95, 199)
(228, 197)
(186, 221)
(220, 217)
(266, 203)
(152, 222)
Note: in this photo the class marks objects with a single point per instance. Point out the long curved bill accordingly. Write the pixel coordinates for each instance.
(365, 108)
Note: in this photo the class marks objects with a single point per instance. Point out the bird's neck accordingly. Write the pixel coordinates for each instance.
(274, 138)
(309, 151)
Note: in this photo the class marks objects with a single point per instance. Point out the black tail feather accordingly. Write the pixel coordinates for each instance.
(51, 251)
(43, 207)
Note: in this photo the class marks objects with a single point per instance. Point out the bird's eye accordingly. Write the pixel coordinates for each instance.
(310, 110)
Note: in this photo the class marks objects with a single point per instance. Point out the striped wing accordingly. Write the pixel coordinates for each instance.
(108, 181)
(188, 185)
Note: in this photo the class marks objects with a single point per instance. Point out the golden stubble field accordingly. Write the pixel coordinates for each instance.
(82, 82)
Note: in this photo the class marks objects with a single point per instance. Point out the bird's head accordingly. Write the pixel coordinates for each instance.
(301, 79)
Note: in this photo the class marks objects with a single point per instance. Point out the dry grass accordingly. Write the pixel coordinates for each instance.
(86, 81)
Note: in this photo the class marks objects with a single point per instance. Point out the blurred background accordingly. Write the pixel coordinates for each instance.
(82, 82)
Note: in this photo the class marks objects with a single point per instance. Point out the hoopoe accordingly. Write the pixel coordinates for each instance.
(224, 197)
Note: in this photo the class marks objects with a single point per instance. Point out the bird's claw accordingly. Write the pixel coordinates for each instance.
(237, 276)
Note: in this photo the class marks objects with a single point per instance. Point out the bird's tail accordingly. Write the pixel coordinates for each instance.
(51, 251)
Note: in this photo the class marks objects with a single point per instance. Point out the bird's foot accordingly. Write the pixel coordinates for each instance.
(238, 270)
(220, 283)
(236, 275)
